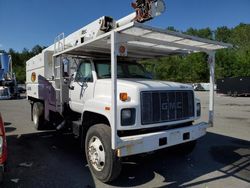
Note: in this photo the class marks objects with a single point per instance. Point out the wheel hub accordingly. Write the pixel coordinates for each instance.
(96, 153)
(35, 118)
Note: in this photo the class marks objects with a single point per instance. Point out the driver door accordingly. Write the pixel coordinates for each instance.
(82, 87)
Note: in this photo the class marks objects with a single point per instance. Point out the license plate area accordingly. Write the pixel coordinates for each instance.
(175, 137)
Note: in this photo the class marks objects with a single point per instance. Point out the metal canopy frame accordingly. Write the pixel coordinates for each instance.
(145, 42)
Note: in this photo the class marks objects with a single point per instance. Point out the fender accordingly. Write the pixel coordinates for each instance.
(100, 106)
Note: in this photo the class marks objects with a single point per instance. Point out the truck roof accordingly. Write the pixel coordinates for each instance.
(145, 42)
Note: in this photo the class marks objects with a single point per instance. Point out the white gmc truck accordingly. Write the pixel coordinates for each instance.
(92, 84)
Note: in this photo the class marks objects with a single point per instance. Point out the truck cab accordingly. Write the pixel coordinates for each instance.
(142, 103)
(146, 108)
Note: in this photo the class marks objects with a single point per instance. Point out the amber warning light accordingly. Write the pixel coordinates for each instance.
(123, 96)
(33, 77)
(123, 50)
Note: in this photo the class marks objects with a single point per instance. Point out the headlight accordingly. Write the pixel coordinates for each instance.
(198, 109)
(128, 117)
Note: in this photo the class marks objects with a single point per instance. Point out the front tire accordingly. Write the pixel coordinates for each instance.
(38, 115)
(102, 160)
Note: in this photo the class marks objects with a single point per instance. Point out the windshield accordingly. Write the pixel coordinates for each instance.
(124, 70)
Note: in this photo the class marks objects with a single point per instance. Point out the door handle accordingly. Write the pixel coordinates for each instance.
(71, 87)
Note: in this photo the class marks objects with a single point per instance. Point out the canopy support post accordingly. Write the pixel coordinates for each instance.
(211, 62)
(113, 122)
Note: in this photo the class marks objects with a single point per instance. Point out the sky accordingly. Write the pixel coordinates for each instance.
(25, 23)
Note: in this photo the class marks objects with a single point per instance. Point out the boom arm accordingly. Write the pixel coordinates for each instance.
(144, 11)
(148, 9)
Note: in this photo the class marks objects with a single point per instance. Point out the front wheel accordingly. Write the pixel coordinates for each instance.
(102, 160)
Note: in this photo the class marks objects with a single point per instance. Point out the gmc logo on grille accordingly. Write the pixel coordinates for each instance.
(171, 106)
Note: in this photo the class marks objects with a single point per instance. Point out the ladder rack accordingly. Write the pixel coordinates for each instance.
(59, 43)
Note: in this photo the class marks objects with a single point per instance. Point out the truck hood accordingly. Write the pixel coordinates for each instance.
(135, 86)
(146, 84)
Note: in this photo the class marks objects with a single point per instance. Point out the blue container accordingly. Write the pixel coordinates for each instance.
(5, 62)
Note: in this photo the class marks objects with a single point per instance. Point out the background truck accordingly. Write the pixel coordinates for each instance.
(8, 84)
(237, 86)
(91, 83)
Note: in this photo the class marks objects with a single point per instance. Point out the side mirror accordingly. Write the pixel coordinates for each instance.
(66, 67)
(71, 87)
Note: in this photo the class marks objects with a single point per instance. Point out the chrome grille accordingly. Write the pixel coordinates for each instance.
(166, 106)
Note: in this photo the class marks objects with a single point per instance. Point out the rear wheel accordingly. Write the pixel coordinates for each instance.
(38, 115)
(102, 160)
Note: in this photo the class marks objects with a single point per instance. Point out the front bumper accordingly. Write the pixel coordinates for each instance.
(137, 144)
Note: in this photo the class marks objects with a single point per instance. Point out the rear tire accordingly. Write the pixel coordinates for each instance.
(38, 115)
(102, 160)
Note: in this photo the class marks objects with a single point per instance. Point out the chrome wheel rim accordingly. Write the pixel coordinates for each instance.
(96, 153)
